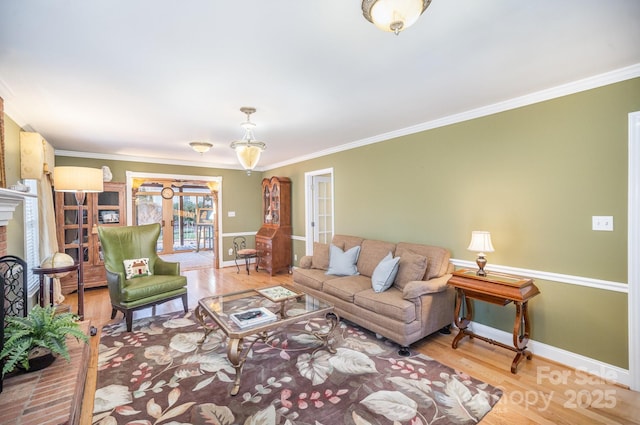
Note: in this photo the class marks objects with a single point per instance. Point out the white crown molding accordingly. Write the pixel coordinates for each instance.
(584, 84)
(553, 277)
(588, 83)
(163, 161)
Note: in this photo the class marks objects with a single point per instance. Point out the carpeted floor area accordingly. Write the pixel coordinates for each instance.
(191, 260)
(160, 374)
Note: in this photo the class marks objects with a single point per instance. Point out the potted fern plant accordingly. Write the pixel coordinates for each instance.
(43, 333)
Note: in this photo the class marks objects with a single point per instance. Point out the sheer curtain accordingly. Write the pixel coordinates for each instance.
(47, 219)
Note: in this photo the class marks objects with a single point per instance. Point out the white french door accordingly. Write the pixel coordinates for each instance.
(319, 207)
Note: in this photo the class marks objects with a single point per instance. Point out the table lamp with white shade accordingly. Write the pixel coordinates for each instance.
(481, 243)
(79, 180)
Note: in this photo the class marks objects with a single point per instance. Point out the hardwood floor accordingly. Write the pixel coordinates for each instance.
(542, 392)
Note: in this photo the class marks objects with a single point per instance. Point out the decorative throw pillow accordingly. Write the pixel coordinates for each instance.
(385, 273)
(320, 259)
(411, 267)
(343, 263)
(136, 267)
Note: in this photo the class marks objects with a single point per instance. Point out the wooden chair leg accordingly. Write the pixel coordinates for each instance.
(113, 313)
(185, 302)
(128, 315)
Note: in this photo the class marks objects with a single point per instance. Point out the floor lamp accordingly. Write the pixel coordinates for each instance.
(79, 180)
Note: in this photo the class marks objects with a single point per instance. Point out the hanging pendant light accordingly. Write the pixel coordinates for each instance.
(393, 15)
(248, 149)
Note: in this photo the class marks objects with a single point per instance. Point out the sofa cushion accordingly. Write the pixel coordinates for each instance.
(310, 278)
(437, 257)
(320, 259)
(150, 286)
(371, 253)
(411, 267)
(385, 273)
(346, 242)
(388, 304)
(346, 287)
(343, 263)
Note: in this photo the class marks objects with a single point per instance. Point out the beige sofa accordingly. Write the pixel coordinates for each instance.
(418, 303)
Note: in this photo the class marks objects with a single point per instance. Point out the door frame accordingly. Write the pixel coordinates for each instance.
(633, 251)
(309, 197)
(130, 175)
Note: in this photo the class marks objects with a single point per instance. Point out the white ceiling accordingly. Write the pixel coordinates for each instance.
(143, 78)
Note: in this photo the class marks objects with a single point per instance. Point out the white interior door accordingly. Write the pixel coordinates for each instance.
(319, 207)
(322, 222)
(634, 250)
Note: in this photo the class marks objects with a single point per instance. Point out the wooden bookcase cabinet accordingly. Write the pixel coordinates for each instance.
(273, 240)
(100, 209)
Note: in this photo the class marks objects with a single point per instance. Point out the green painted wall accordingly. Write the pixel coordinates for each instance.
(533, 176)
(240, 193)
(15, 229)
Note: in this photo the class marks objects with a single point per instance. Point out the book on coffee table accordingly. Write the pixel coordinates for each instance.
(278, 293)
(252, 317)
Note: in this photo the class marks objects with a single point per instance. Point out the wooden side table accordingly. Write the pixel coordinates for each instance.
(500, 289)
(45, 271)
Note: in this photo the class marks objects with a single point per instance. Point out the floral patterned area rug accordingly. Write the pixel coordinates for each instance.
(159, 374)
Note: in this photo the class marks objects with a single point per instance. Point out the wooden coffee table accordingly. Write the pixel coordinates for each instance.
(214, 312)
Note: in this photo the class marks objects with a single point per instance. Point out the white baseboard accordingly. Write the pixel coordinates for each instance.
(231, 263)
(607, 372)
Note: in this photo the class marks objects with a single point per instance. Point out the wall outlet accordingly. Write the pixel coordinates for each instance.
(295, 257)
(602, 223)
(230, 251)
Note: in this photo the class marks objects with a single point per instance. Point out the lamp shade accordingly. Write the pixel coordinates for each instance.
(480, 242)
(248, 155)
(77, 179)
(393, 15)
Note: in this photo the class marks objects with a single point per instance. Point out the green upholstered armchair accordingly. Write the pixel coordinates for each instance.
(163, 283)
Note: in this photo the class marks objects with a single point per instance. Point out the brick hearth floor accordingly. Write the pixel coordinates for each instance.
(51, 396)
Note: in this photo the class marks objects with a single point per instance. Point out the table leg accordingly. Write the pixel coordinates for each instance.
(462, 322)
(325, 337)
(521, 329)
(237, 354)
(42, 294)
(234, 353)
(51, 291)
(201, 317)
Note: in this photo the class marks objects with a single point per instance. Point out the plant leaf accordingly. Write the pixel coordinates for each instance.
(179, 410)
(153, 409)
(393, 405)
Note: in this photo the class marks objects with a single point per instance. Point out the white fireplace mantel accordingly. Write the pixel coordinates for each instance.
(9, 200)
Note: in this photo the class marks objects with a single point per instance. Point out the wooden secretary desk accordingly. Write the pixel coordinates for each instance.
(273, 240)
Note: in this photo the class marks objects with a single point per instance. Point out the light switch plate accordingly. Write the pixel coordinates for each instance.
(231, 213)
(602, 223)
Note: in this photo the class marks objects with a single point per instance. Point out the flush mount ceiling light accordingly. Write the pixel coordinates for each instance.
(201, 147)
(248, 149)
(393, 15)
